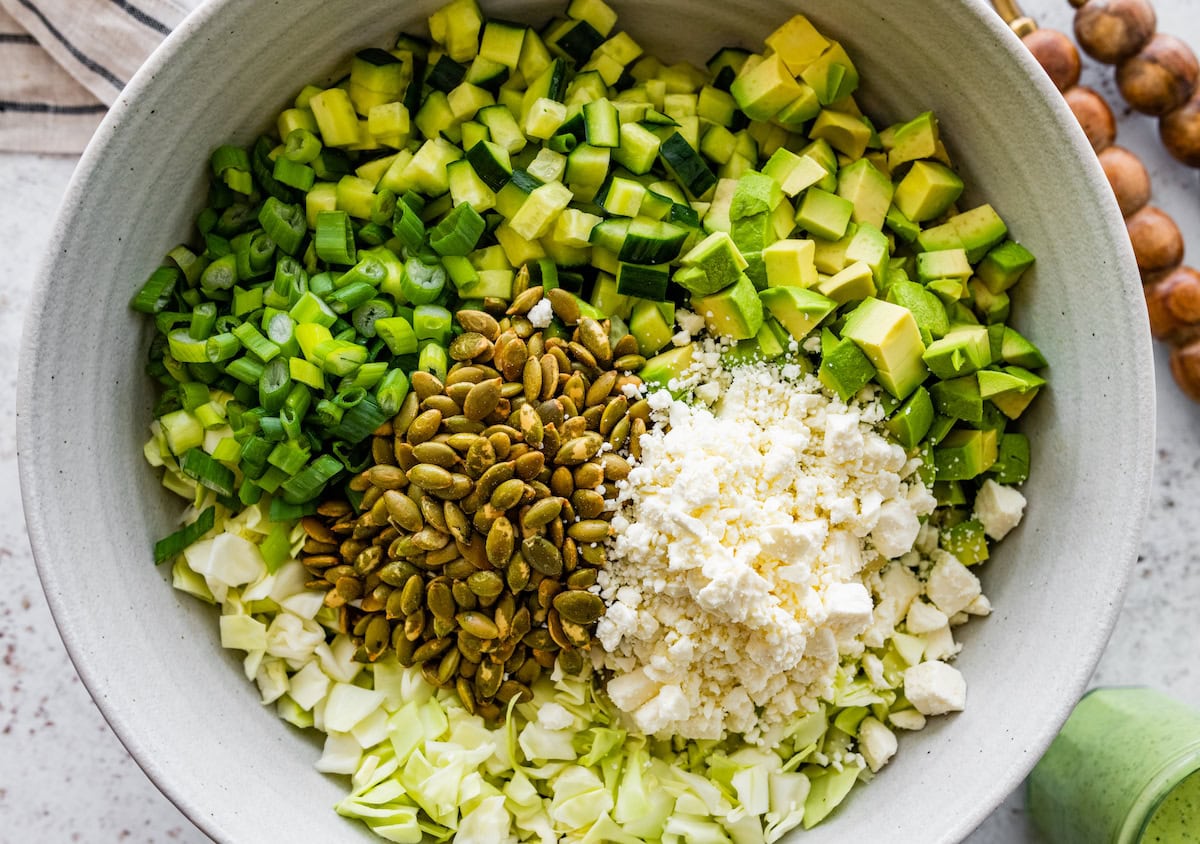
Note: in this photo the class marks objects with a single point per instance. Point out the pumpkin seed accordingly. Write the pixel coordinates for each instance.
(500, 541)
(479, 322)
(430, 477)
(508, 494)
(629, 363)
(437, 453)
(542, 555)
(439, 599)
(477, 624)
(425, 384)
(488, 680)
(518, 574)
(482, 399)
(524, 301)
(424, 427)
(432, 649)
(466, 694)
(578, 606)
(469, 345)
(529, 465)
(579, 449)
(564, 304)
(594, 337)
(589, 530)
(486, 584)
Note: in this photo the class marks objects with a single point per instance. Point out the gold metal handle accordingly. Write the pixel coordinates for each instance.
(1017, 20)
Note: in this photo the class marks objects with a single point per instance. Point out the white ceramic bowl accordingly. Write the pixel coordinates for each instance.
(151, 656)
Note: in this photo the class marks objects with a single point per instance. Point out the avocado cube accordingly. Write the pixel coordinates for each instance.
(869, 245)
(1015, 349)
(607, 300)
(763, 90)
(832, 75)
(824, 214)
(753, 234)
(798, 43)
(1003, 267)
(963, 351)
(992, 308)
(996, 340)
(958, 398)
(949, 494)
(1013, 404)
(735, 312)
(944, 263)
(912, 421)
(765, 345)
(889, 336)
(790, 263)
(964, 454)
(795, 173)
(718, 260)
(966, 541)
(799, 111)
(821, 152)
(1012, 461)
(993, 418)
(799, 310)
(662, 369)
(926, 308)
(850, 285)
(868, 189)
(649, 327)
(756, 269)
(844, 368)
(994, 382)
(847, 133)
(976, 231)
(918, 138)
(901, 226)
(756, 194)
(783, 220)
(830, 255)
(950, 290)
(927, 190)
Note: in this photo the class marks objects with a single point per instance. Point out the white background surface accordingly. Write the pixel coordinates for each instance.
(65, 778)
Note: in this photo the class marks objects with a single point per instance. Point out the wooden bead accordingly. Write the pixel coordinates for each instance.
(1173, 304)
(1185, 366)
(1180, 132)
(1057, 56)
(1160, 77)
(1128, 177)
(1112, 30)
(1093, 115)
(1157, 242)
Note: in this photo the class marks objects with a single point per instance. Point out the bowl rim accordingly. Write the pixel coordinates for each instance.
(39, 528)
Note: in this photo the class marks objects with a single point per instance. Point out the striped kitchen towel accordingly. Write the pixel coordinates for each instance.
(63, 62)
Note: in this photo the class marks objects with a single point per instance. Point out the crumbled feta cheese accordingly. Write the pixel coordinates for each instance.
(951, 586)
(553, 716)
(935, 688)
(907, 719)
(690, 322)
(999, 508)
(876, 743)
(924, 618)
(541, 314)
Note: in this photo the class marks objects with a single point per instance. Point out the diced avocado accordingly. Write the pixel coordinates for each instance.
(889, 336)
(926, 308)
(927, 190)
(824, 214)
(756, 269)
(830, 255)
(993, 418)
(949, 494)
(1013, 402)
(794, 173)
(950, 290)
(821, 152)
(941, 426)
(662, 369)
(783, 220)
(1019, 351)
(769, 340)
(868, 189)
(790, 263)
(799, 310)
(735, 312)
(1012, 461)
(1003, 267)
(844, 368)
(918, 138)
(648, 326)
(966, 541)
(799, 111)
(959, 398)
(798, 43)
(847, 133)
(718, 261)
(901, 226)
(717, 217)
(976, 231)
(869, 245)
(944, 263)
(851, 284)
(753, 234)
(912, 421)
(993, 382)
(996, 340)
(992, 308)
(958, 312)
(756, 193)
(961, 352)
(765, 345)
(607, 300)
(832, 74)
(764, 89)
(965, 454)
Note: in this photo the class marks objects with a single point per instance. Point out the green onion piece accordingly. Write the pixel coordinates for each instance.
(383, 207)
(249, 493)
(309, 308)
(231, 165)
(374, 234)
(184, 349)
(274, 385)
(329, 413)
(221, 347)
(281, 330)
(291, 281)
(334, 238)
(245, 370)
(155, 294)
(369, 270)
(360, 421)
(228, 450)
(207, 373)
(188, 262)
(276, 547)
(166, 321)
(254, 254)
(294, 175)
(262, 167)
(272, 479)
(422, 283)
(291, 422)
(462, 273)
(301, 146)
(236, 218)
(285, 511)
(255, 451)
(211, 415)
(284, 223)
(433, 359)
(345, 299)
(432, 322)
(311, 480)
(368, 374)
(298, 400)
(391, 391)
(288, 457)
(408, 226)
(398, 334)
(204, 317)
(458, 232)
(340, 357)
(206, 219)
(349, 397)
(255, 343)
(366, 314)
(215, 247)
(221, 274)
(192, 395)
(246, 301)
(272, 429)
(169, 546)
(321, 284)
(200, 466)
(306, 372)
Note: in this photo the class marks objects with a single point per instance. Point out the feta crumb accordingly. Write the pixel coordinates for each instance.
(935, 688)
(951, 586)
(541, 314)
(999, 508)
(690, 322)
(553, 716)
(907, 719)
(876, 743)
(924, 618)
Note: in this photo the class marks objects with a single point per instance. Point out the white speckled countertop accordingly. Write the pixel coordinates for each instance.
(64, 776)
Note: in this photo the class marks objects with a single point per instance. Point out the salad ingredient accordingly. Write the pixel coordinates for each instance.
(935, 688)
(735, 583)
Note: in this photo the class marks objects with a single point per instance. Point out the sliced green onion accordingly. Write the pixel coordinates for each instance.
(360, 421)
(288, 457)
(432, 322)
(169, 546)
(408, 226)
(368, 374)
(246, 301)
(254, 456)
(221, 347)
(155, 294)
(293, 174)
(341, 357)
(301, 146)
(221, 274)
(228, 450)
(349, 397)
(192, 395)
(245, 370)
(206, 219)
(166, 321)
(185, 349)
(369, 270)
(274, 385)
(249, 493)
(236, 218)
(366, 314)
(298, 400)
(198, 465)
(345, 299)
(321, 284)
(272, 429)
(208, 373)
(255, 343)
(329, 413)
(374, 234)
(188, 262)
(458, 232)
(334, 238)
(397, 332)
(281, 330)
(383, 207)
(204, 318)
(422, 283)
(306, 372)
(285, 511)
(272, 479)
(284, 223)
(276, 547)
(433, 359)
(309, 308)
(254, 254)
(311, 480)
(290, 282)
(231, 165)
(391, 391)
(211, 415)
